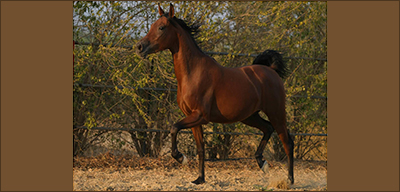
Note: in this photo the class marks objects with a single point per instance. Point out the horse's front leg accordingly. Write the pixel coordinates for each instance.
(198, 136)
(192, 120)
(174, 149)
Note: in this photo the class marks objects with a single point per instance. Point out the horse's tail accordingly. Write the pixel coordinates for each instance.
(272, 59)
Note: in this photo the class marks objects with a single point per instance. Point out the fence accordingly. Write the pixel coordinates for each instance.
(174, 90)
(206, 133)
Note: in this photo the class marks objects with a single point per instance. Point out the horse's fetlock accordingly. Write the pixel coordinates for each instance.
(176, 154)
(258, 156)
(260, 162)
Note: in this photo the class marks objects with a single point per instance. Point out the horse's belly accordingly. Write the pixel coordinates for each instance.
(233, 109)
(221, 117)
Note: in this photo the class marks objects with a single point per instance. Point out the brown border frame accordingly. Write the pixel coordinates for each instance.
(36, 95)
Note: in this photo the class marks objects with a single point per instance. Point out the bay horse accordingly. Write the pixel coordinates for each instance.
(209, 92)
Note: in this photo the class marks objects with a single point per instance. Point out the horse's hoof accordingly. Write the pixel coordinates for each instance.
(198, 181)
(185, 160)
(265, 167)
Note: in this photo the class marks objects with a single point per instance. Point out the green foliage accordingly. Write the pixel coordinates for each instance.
(297, 29)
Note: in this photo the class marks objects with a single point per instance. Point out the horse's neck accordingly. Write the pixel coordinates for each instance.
(186, 59)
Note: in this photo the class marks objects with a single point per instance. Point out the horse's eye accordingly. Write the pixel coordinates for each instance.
(161, 28)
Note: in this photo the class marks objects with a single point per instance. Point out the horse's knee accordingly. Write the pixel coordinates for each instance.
(174, 130)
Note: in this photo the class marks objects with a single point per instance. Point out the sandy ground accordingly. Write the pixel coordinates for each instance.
(111, 173)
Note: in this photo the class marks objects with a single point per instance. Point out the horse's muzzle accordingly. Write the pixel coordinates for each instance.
(140, 49)
(144, 48)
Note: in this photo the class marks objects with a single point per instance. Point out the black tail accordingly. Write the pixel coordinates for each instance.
(272, 59)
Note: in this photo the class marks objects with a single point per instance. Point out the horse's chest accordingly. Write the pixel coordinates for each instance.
(187, 103)
(189, 100)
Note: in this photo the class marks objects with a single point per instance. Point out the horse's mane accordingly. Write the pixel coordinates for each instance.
(192, 29)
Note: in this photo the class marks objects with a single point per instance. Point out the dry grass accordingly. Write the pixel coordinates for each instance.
(279, 184)
(128, 173)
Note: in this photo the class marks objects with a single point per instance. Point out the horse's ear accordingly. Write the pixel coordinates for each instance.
(171, 11)
(160, 11)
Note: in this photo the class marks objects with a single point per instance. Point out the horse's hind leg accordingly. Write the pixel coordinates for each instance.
(288, 144)
(266, 127)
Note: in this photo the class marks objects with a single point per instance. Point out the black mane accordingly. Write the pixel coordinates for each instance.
(192, 29)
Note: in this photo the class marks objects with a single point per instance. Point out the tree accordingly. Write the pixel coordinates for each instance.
(297, 29)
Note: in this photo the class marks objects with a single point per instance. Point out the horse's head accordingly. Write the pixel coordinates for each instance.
(162, 35)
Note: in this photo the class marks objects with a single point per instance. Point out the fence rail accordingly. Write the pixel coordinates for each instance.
(206, 133)
(174, 90)
(207, 52)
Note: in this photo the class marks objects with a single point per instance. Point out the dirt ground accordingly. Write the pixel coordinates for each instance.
(131, 173)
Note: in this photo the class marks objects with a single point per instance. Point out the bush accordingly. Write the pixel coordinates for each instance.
(110, 29)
